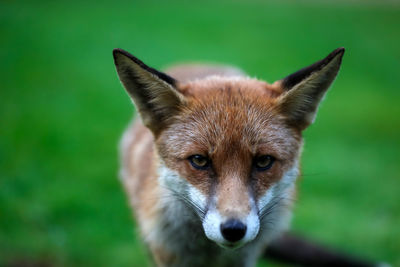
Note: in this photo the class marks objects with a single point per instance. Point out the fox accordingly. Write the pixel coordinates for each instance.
(211, 163)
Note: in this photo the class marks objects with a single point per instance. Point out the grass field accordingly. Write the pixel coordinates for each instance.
(62, 111)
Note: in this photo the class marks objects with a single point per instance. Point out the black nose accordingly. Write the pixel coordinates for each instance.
(233, 230)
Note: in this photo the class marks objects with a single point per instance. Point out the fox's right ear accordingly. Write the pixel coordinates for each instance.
(153, 92)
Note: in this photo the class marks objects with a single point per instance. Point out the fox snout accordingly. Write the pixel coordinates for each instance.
(231, 232)
(232, 227)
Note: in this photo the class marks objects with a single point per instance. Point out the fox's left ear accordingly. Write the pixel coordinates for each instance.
(304, 89)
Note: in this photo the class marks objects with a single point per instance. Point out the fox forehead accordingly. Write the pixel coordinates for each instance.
(198, 88)
(230, 115)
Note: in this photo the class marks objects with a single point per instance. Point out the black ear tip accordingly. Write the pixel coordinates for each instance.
(338, 51)
(119, 51)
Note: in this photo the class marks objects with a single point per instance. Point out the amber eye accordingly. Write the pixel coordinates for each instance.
(264, 162)
(199, 162)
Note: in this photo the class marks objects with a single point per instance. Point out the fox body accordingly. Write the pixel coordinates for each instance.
(210, 168)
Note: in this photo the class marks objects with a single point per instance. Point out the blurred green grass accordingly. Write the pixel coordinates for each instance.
(63, 110)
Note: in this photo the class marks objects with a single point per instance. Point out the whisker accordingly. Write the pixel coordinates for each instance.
(198, 210)
(275, 202)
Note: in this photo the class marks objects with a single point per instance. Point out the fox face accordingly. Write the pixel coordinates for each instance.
(228, 147)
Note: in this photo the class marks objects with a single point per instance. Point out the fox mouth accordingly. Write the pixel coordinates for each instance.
(231, 245)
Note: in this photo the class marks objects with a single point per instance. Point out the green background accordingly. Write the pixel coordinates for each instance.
(62, 111)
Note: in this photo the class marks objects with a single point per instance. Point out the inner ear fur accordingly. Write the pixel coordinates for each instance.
(153, 93)
(304, 89)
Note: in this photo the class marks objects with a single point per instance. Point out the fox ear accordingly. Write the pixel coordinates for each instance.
(304, 89)
(153, 92)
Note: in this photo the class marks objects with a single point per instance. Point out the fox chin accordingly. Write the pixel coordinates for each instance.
(210, 165)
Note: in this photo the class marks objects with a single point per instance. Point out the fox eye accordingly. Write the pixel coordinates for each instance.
(264, 162)
(199, 162)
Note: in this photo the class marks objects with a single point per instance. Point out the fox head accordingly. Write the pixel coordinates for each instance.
(229, 147)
